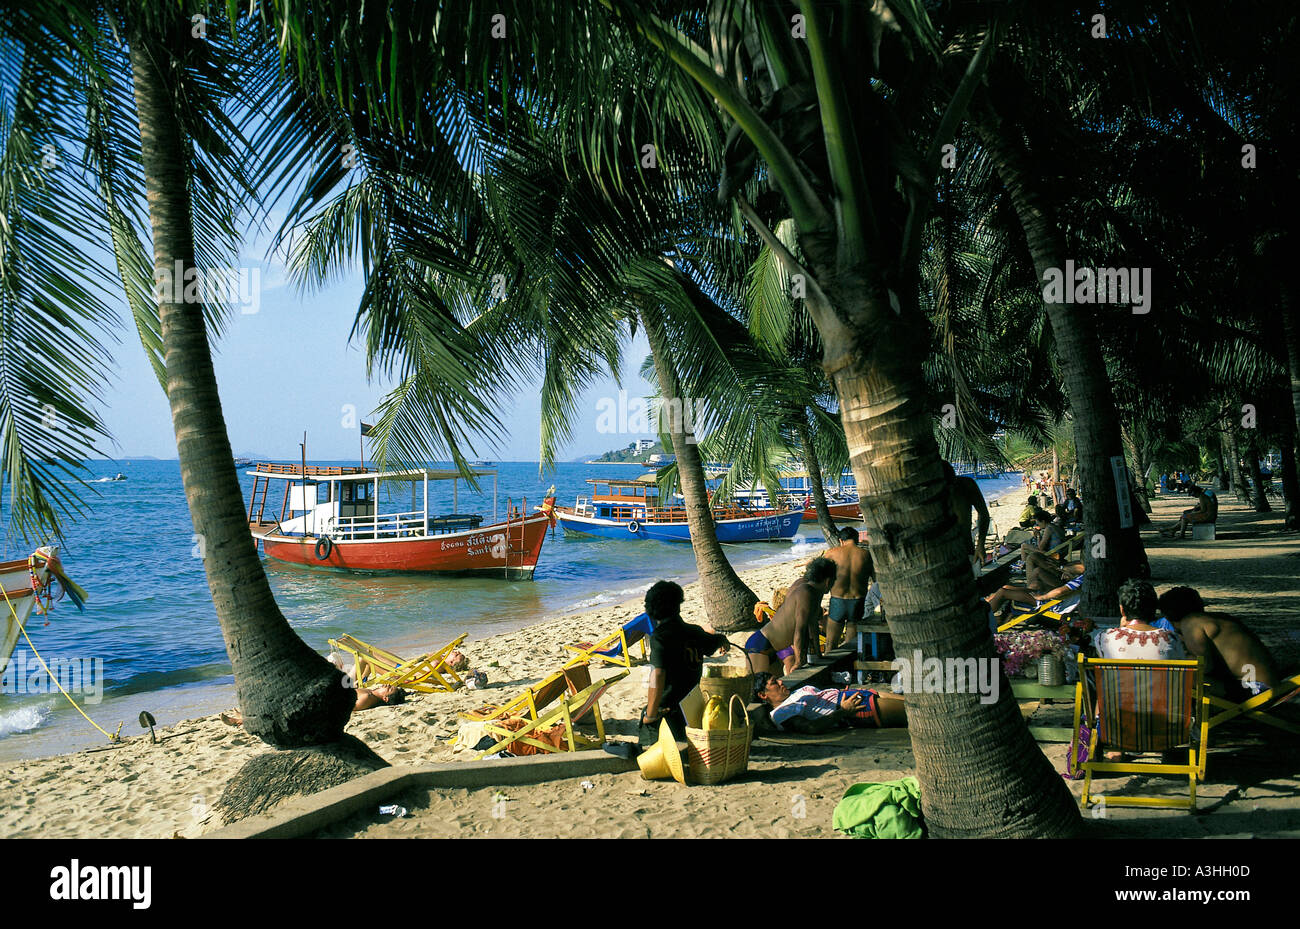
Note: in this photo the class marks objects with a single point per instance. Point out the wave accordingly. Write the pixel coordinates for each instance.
(600, 599)
(23, 719)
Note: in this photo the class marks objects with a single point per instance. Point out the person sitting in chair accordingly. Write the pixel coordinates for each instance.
(1011, 593)
(810, 709)
(1239, 662)
(1137, 636)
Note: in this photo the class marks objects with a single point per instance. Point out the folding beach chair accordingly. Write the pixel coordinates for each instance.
(375, 667)
(615, 648)
(538, 697)
(571, 709)
(1142, 706)
(1259, 707)
(1055, 610)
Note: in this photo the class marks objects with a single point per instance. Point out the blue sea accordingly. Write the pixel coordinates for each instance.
(150, 625)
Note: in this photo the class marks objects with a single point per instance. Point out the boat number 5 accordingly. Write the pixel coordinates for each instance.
(499, 546)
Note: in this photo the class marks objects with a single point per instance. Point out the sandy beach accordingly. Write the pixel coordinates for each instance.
(139, 789)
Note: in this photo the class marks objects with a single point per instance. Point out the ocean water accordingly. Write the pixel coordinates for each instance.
(149, 638)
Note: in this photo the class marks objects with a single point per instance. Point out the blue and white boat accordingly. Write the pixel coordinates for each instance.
(631, 510)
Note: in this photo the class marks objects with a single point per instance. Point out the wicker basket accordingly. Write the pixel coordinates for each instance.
(717, 755)
(730, 680)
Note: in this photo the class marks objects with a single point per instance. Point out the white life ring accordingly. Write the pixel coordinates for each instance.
(633, 527)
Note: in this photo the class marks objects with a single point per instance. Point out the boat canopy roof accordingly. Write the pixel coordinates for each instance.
(642, 481)
(331, 473)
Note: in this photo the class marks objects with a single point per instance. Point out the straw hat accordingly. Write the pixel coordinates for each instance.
(662, 760)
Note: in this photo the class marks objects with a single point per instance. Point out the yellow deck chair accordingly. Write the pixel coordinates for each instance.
(616, 648)
(571, 709)
(427, 674)
(1142, 706)
(1258, 708)
(1049, 609)
(536, 698)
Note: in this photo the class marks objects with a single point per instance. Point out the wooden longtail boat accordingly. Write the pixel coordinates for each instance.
(630, 510)
(330, 518)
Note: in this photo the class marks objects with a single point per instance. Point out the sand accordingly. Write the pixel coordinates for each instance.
(140, 789)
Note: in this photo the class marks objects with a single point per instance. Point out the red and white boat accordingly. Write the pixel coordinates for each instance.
(329, 518)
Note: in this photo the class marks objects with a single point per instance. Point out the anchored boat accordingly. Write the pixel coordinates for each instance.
(330, 518)
(631, 510)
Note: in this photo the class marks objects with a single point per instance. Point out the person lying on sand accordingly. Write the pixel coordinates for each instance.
(810, 709)
(1239, 661)
(790, 631)
(367, 698)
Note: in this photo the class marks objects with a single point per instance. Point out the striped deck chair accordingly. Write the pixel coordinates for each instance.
(426, 674)
(571, 709)
(616, 648)
(1137, 707)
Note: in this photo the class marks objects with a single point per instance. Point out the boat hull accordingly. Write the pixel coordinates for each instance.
(845, 511)
(17, 580)
(494, 551)
(773, 528)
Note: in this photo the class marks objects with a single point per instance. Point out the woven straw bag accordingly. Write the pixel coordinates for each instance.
(717, 755)
(733, 680)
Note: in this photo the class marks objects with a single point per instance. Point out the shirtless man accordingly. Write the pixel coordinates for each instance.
(786, 635)
(853, 576)
(965, 495)
(1238, 659)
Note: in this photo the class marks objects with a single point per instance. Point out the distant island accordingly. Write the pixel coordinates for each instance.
(638, 452)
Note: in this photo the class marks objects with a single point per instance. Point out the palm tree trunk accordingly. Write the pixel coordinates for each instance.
(1290, 483)
(1234, 464)
(1257, 474)
(981, 772)
(728, 602)
(1111, 553)
(818, 488)
(1225, 475)
(289, 695)
(1291, 333)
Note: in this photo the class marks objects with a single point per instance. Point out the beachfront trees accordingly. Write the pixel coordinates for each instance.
(817, 118)
(142, 95)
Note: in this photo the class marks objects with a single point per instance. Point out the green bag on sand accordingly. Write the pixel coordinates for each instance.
(891, 810)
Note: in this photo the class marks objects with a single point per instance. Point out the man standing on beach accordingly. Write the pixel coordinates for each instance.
(677, 652)
(853, 576)
(788, 633)
(965, 495)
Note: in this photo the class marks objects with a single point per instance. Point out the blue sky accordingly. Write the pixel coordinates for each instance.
(290, 367)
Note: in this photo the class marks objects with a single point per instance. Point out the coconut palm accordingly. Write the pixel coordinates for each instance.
(810, 119)
(142, 95)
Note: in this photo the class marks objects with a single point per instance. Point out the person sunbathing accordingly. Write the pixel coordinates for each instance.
(1205, 511)
(1043, 572)
(1239, 661)
(367, 698)
(811, 709)
(1011, 593)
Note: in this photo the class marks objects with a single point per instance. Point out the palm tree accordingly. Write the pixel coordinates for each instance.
(150, 106)
(831, 146)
